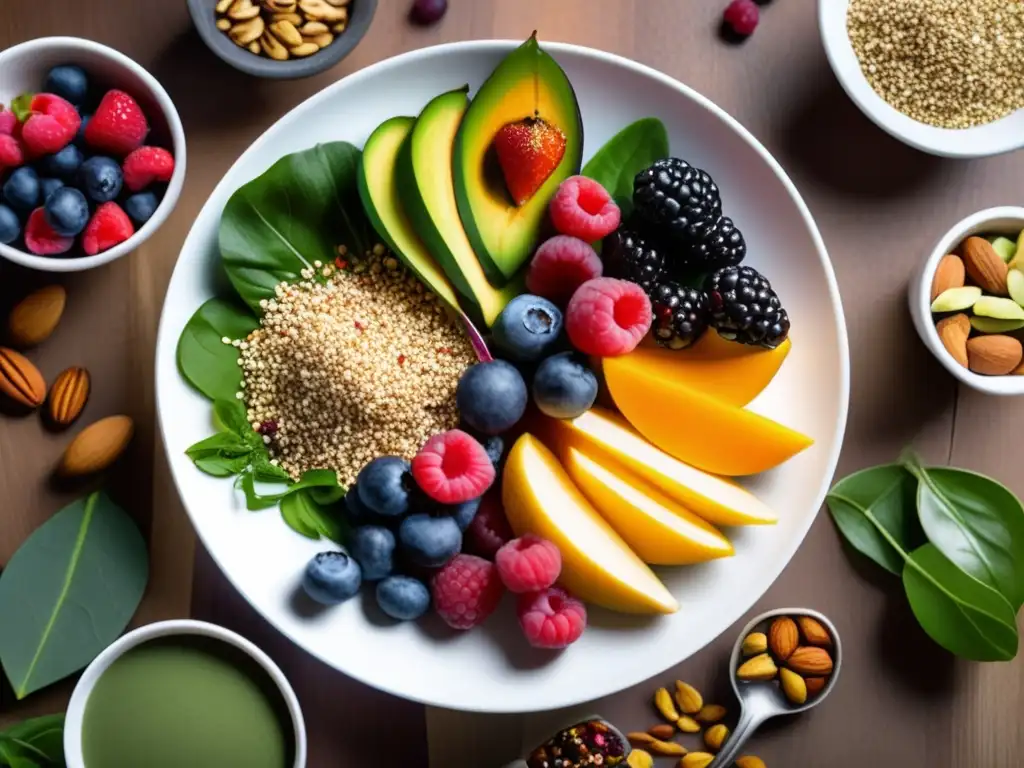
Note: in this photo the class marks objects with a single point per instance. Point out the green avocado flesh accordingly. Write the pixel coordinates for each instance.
(424, 175)
(528, 83)
(378, 190)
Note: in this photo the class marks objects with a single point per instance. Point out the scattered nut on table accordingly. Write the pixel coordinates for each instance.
(282, 29)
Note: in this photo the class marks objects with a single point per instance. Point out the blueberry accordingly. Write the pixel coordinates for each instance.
(48, 187)
(464, 513)
(403, 597)
(101, 178)
(527, 329)
(564, 387)
(63, 164)
(430, 541)
(331, 578)
(141, 207)
(80, 136)
(10, 227)
(384, 486)
(373, 547)
(21, 190)
(355, 511)
(69, 82)
(495, 448)
(67, 211)
(491, 397)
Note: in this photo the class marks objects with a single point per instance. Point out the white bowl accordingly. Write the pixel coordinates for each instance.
(177, 628)
(23, 68)
(1008, 221)
(1004, 135)
(492, 669)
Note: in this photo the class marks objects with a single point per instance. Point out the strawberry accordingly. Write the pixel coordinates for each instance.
(528, 153)
(109, 226)
(118, 126)
(145, 165)
(51, 126)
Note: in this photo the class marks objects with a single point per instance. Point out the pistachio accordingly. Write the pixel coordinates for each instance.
(286, 32)
(755, 643)
(247, 32)
(663, 703)
(687, 724)
(1015, 285)
(992, 325)
(243, 10)
(1006, 249)
(757, 668)
(696, 760)
(711, 713)
(273, 48)
(1001, 309)
(640, 759)
(956, 299)
(715, 737)
(793, 686)
(688, 698)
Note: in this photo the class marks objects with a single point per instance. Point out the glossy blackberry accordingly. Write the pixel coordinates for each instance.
(681, 315)
(631, 256)
(745, 308)
(718, 245)
(676, 197)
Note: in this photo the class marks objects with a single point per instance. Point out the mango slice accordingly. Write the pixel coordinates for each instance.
(597, 565)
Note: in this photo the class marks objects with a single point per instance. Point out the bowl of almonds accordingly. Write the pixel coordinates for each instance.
(967, 301)
(282, 39)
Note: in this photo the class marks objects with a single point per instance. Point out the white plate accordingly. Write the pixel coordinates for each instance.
(492, 669)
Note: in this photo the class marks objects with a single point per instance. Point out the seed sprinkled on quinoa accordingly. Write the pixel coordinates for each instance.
(346, 368)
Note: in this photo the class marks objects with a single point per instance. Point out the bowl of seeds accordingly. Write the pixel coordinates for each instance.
(943, 76)
(282, 39)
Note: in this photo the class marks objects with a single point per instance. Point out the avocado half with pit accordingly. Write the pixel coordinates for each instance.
(527, 84)
(423, 171)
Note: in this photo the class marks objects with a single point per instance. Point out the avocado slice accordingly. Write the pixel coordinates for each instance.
(379, 192)
(528, 83)
(424, 175)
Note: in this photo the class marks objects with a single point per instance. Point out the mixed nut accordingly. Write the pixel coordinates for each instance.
(282, 29)
(978, 299)
(795, 651)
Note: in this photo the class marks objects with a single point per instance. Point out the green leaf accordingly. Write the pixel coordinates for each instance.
(206, 362)
(875, 510)
(69, 591)
(230, 416)
(297, 212)
(310, 518)
(223, 466)
(326, 495)
(225, 444)
(314, 478)
(21, 106)
(14, 756)
(44, 735)
(265, 472)
(977, 523)
(957, 611)
(628, 152)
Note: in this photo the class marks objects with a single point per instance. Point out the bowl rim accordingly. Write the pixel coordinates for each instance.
(175, 128)
(943, 142)
(920, 297)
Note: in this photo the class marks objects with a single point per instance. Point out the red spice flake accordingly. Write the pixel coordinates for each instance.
(359, 326)
(444, 350)
(340, 263)
(401, 359)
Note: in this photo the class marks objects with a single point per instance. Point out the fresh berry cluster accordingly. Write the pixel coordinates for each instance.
(75, 168)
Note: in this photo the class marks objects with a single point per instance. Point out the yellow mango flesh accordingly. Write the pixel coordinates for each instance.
(597, 565)
(696, 428)
(658, 529)
(607, 436)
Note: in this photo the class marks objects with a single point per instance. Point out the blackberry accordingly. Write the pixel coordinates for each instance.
(718, 245)
(681, 315)
(745, 308)
(678, 198)
(631, 256)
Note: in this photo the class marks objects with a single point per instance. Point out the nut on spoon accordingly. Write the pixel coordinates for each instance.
(763, 700)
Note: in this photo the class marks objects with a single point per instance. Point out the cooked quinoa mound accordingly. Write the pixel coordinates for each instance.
(351, 364)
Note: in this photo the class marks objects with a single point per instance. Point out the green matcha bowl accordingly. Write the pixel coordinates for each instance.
(185, 692)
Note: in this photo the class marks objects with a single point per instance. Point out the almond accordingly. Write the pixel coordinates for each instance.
(814, 633)
(96, 447)
(697, 760)
(687, 724)
(814, 685)
(755, 643)
(688, 698)
(949, 274)
(715, 736)
(953, 332)
(758, 668)
(783, 637)
(984, 265)
(20, 380)
(640, 739)
(810, 661)
(662, 731)
(994, 355)
(711, 713)
(35, 317)
(750, 761)
(68, 396)
(666, 748)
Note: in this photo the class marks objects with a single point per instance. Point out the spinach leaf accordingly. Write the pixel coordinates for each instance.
(625, 154)
(222, 444)
(306, 516)
(229, 415)
(11, 754)
(223, 466)
(40, 738)
(314, 478)
(265, 472)
(206, 362)
(297, 212)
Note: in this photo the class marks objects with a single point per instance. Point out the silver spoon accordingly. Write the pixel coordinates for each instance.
(760, 701)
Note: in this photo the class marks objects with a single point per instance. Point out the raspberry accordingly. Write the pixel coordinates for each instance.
(59, 109)
(466, 591)
(551, 618)
(452, 468)
(607, 317)
(7, 122)
(583, 208)
(560, 266)
(742, 17)
(528, 564)
(11, 154)
(145, 165)
(109, 226)
(40, 238)
(489, 530)
(118, 126)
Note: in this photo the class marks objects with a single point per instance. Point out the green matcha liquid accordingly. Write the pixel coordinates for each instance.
(186, 701)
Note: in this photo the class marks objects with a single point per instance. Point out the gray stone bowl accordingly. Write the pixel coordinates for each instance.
(205, 18)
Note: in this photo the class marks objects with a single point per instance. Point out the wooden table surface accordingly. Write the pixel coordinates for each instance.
(902, 702)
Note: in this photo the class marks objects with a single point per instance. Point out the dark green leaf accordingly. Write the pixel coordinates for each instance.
(11, 754)
(223, 466)
(43, 734)
(875, 510)
(265, 472)
(327, 495)
(314, 478)
(26, 750)
(222, 444)
(230, 416)
(295, 514)
(206, 362)
(69, 591)
(318, 520)
(628, 152)
(21, 106)
(297, 212)
(958, 612)
(977, 523)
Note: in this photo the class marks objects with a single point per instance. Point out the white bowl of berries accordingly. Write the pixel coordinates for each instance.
(92, 154)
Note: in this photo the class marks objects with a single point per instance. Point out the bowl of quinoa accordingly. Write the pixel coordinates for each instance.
(943, 76)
